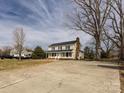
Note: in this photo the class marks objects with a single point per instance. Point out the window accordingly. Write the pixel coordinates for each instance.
(63, 55)
(67, 47)
(59, 47)
(53, 48)
(68, 54)
(53, 54)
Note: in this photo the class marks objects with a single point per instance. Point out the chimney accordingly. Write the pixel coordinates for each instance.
(77, 47)
(77, 39)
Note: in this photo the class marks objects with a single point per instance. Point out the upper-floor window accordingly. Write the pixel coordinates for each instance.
(59, 47)
(68, 47)
(53, 48)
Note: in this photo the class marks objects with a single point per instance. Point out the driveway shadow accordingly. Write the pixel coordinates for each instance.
(112, 67)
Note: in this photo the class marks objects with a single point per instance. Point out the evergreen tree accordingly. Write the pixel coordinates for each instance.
(38, 53)
(88, 53)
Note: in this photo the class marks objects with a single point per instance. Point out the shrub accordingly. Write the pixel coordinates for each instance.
(38, 53)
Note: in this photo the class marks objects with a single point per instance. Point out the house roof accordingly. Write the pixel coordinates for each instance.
(59, 51)
(63, 43)
(81, 51)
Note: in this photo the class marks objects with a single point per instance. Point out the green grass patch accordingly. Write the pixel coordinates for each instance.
(7, 64)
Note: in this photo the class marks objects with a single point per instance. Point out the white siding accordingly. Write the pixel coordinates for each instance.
(56, 48)
(49, 49)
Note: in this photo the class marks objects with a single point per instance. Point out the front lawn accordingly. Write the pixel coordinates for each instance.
(7, 64)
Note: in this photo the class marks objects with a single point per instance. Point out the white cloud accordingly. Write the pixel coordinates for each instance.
(49, 28)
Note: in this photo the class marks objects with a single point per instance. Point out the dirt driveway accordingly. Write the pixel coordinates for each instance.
(62, 77)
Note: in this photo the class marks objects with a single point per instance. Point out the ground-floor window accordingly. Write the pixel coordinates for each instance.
(53, 54)
(68, 54)
(64, 54)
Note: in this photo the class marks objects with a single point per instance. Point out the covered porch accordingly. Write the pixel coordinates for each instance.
(60, 54)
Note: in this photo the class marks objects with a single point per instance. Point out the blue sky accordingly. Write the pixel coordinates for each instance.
(43, 21)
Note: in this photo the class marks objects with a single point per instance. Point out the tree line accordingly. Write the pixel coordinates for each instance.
(37, 53)
(104, 21)
(19, 41)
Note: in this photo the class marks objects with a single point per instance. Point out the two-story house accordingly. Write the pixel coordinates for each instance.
(65, 50)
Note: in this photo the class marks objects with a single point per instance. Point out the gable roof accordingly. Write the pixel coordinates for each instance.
(59, 51)
(63, 43)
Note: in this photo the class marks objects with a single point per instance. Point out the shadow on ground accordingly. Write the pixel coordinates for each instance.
(112, 67)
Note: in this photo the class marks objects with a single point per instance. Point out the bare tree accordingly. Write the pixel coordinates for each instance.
(107, 45)
(91, 18)
(6, 51)
(116, 32)
(19, 38)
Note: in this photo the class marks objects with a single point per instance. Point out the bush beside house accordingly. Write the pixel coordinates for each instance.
(38, 53)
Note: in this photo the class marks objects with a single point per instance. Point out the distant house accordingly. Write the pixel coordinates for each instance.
(66, 50)
(25, 53)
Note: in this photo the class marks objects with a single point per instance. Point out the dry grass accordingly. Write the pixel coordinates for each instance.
(7, 64)
(122, 78)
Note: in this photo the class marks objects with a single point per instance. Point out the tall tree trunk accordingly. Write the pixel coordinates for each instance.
(123, 45)
(20, 52)
(122, 49)
(121, 34)
(121, 54)
(20, 58)
(98, 49)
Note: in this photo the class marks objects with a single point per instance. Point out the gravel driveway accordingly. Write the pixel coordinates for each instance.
(62, 77)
